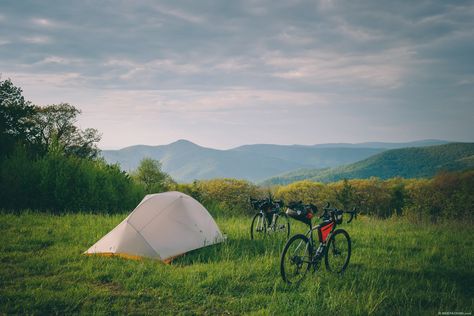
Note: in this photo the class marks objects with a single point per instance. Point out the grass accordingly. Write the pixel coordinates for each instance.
(396, 268)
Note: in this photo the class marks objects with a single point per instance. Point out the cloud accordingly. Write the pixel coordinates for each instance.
(36, 39)
(180, 14)
(42, 22)
(196, 58)
(191, 101)
(54, 80)
(382, 70)
(58, 60)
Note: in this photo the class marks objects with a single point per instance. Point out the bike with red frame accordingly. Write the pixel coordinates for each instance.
(300, 252)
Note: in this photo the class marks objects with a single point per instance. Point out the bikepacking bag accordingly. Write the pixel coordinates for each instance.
(324, 230)
(338, 217)
(300, 213)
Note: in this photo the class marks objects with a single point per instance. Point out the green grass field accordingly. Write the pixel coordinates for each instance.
(396, 268)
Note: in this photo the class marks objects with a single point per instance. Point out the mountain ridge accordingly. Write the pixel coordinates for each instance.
(186, 161)
(409, 162)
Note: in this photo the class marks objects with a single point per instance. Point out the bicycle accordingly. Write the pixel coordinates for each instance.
(270, 219)
(299, 252)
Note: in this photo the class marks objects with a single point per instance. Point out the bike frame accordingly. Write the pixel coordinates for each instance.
(304, 251)
(274, 216)
(269, 220)
(317, 254)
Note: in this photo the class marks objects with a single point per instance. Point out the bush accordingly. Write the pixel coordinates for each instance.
(369, 196)
(229, 195)
(446, 196)
(65, 183)
(307, 192)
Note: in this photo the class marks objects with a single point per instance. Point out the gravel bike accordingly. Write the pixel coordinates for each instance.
(270, 219)
(300, 251)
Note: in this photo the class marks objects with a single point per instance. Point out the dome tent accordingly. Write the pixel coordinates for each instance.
(162, 226)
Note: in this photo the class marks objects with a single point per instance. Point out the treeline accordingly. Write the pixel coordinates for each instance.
(59, 183)
(48, 163)
(446, 196)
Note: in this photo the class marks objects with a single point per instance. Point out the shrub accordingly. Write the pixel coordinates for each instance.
(65, 183)
(307, 192)
(231, 195)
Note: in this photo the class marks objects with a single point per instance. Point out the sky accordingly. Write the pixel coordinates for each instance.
(227, 73)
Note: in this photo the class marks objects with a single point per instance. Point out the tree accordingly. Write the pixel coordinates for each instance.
(346, 195)
(55, 126)
(41, 128)
(396, 187)
(15, 117)
(150, 175)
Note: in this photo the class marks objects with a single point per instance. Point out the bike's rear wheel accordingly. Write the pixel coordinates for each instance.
(338, 251)
(281, 226)
(295, 259)
(258, 229)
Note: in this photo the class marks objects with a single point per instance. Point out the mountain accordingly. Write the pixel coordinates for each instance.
(186, 161)
(310, 155)
(406, 162)
(418, 143)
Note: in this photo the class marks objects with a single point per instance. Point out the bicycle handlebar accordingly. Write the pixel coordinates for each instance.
(330, 212)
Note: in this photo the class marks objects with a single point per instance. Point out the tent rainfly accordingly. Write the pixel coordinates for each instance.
(162, 226)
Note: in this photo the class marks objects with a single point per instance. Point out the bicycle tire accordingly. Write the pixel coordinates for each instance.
(283, 217)
(298, 260)
(257, 219)
(338, 251)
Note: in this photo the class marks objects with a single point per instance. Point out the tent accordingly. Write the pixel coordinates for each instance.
(162, 226)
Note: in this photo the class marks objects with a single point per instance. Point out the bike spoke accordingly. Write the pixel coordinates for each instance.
(338, 252)
(258, 228)
(295, 259)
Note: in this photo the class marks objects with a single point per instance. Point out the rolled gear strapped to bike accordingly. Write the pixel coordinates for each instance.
(267, 206)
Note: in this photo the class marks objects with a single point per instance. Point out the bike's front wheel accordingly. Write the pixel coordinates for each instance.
(258, 229)
(338, 251)
(295, 259)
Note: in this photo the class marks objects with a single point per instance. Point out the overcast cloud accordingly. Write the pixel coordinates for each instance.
(225, 73)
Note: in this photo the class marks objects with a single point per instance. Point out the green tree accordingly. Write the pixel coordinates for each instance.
(150, 175)
(396, 187)
(15, 117)
(55, 126)
(346, 195)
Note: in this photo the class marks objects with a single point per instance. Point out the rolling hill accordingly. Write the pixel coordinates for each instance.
(406, 162)
(186, 161)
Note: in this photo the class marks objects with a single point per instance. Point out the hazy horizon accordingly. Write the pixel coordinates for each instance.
(225, 74)
(292, 144)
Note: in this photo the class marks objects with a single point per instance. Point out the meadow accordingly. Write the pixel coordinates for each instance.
(397, 268)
